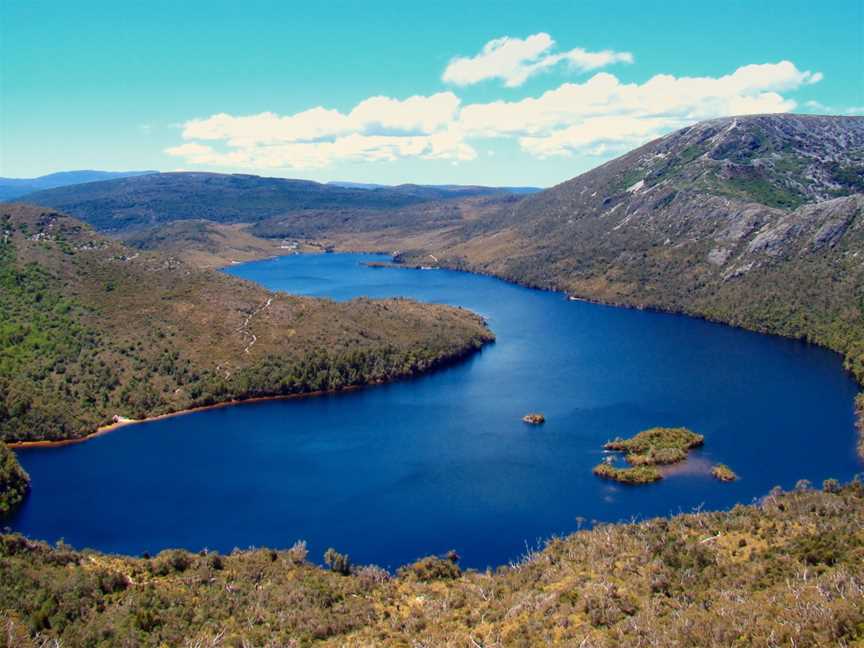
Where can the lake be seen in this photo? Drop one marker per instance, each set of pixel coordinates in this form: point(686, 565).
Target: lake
point(391, 473)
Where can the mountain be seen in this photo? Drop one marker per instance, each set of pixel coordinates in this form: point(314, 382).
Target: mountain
point(92, 329)
point(14, 187)
point(129, 203)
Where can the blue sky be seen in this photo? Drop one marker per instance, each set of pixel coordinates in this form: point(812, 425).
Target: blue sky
point(269, 87)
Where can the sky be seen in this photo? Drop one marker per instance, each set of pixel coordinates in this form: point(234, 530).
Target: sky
point(494, 93)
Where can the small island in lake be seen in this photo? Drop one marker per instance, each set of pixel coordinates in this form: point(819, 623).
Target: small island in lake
point(648, 449)
point(724, 473)
point(633, 475)
point(534, 418)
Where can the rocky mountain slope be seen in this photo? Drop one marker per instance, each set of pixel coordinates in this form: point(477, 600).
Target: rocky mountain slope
point(91, 329)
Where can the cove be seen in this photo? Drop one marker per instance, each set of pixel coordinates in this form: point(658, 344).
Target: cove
point(391, 473)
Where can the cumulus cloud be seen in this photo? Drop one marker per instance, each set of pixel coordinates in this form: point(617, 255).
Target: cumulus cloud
point(599, 116)
point(820, 107)
point(377, 128)
point(602, 110)
point(514, 60)
point(416, 115)
point(599, 135)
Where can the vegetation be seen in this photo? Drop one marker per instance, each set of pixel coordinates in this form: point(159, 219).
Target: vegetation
point(657, 446)
point(786, 571)
point(91, 329)
point(205, 244)
point(14, 481)
point(337, 562)
point(646, 450)
point(723, 472)
point(642, 474)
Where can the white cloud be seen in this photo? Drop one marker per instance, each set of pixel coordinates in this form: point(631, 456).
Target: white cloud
point(599, 136)
point(193, 152)
point(310, 155)
point(377, 128)
point(416, 115)
point(599, 116)
point(820, 107)
point(514, 60)
point(602, 110)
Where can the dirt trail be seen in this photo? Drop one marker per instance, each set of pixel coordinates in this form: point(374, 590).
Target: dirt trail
point(244, 329)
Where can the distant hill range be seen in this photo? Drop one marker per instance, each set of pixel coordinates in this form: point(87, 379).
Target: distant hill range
point(453, 189)
point(146, 200)
point(14, 187)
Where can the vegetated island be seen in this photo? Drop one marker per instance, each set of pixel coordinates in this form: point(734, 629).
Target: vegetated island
point(14, 481)
point(534, 418)
point(647, 450)
point(785, 571)
point(724, 473)
point(93, 330)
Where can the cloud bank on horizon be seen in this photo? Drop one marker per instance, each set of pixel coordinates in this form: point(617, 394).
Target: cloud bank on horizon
point(599, 116)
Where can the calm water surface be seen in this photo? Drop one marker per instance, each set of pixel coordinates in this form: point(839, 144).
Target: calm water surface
point(392, 473)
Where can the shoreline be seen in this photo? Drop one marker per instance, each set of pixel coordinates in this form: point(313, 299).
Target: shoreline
point(123, 422)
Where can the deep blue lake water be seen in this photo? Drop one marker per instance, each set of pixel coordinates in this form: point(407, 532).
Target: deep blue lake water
point(392, 473)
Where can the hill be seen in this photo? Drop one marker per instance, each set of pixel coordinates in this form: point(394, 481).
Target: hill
point(128, 203)
point(783, 572)
point(441, 190)
point(206, 244)
point(15, 187)
point(92, 329)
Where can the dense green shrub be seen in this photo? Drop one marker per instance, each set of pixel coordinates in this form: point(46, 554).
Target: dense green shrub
point(14, 481)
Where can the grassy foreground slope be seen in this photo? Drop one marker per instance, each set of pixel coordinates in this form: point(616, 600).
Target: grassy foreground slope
point(785, 572)
point(91, 329)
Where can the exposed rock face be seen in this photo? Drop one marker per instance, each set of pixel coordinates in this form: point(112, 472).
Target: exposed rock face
point(763, 181)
